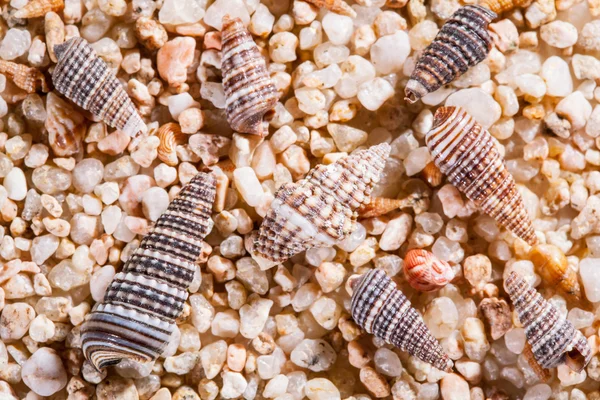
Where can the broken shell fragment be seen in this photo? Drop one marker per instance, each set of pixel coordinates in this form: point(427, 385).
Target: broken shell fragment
point(425, 272)
point(502, 6)
point(379, 206)
point(552, 266)
point(27, 78)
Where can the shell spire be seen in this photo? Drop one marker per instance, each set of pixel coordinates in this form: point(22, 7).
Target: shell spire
point(320, 209)
point(383, 310)
point(137, 317)
point(249, 91)
point(553, 339)
point(462, 42)
point(85, 79)
point(39, 8)
point(467, 154)
point(425, 272)
point(27, 78)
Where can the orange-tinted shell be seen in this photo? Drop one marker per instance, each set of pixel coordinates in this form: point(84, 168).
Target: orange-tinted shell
point(170, 136)
point(552, 266)
point(432, 174)
point(379, 206)
point(502, 6)
point(39, 8)
point(425, 272)
point(337, 6)
point(27, 78)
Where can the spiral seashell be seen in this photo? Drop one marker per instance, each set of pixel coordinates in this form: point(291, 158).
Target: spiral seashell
point(379, 206)
point(432, 174)
point(336, 6)
point(39, 8)
point(86, 80)
point(383, 310)
point(502, 6)
point(552, 266)
point(425, 272)
point(170, 136)
point(249, 91)
point(320, 209)
point(27, 78)
point(553, 339)
point(462, 42)
point(467, 154)
point(137, 317)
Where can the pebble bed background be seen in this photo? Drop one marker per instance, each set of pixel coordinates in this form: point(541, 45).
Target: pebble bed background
point(76, 197)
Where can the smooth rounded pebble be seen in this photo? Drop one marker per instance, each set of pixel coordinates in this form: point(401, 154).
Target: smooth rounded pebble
point(44, 372)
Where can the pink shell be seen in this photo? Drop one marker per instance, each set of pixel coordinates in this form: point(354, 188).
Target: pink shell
point(425, 272)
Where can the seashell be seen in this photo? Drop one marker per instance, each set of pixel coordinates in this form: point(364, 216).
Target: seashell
point(85, 79)
point(502, 6)
point(379, 206)
point(462, 42)
point(320, 209)
point(27, 78)
point(541, 373)
point(54, 28)
point(39, 8)
point(553, 339)
point(383, 310)
point(552, 266)
point(249, 91)
point(137, 317)
point(336, 6)
point(170, 136)
point(425, 272)
point(467, 154)
point(432, 174)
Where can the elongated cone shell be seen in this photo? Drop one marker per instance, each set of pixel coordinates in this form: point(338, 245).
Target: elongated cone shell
point(553, 339)
point(336, 6)
point(27, 78)
point(425, 272)
point(466, 153)
point(39, 8)
point(502, 6)
point(379, 206)
point(551, 264)
point(541, 373)
point(85, 79)
point(249, 91)
point(137, 317)
point(320, 209)
point(170, 137)
point(462, 42)
point(383, 310)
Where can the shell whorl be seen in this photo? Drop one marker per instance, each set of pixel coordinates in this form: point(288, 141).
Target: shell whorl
point(462, 42)
point(27, 78)
point(85, 79)
point(249, 91)
point(170, 137)
point(137, 317)
point(425, 272)
point(502, 6)
point(467, 154)
point(383, 310)
point(320, 209)
point(553, 339)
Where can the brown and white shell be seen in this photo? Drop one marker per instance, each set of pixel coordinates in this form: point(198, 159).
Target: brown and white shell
point(336, 6)
point(319, 210)
point(381, 309)
point(552, 266)
point(87, 81)
point(502, 6)
point(553, 339)
point(170, 137)
point(425, 272)
point(249, 91)
point(39, 8)
point(467, 154)
point(27, 78)
point(379, 206)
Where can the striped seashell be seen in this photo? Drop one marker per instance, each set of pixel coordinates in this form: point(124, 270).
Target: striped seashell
point(467, 154)
point(379, 206)
point(462, 42)
point(87, 81)
point(552, 266)
point(39, 8)
point(170, 137)
point(27, 78)
point(137, 317)
point(432, 174)
point(382, 310)
point(336, 6)
point(502, 6)
point(553, 339)
point(320, 209)
point(249, 91)
point(425, 272)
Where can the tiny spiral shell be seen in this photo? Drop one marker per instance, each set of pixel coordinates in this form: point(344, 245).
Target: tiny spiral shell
point(432, 174)
point(553, 339)
point(379, 206)
point(502, 6)
point(27, 78)
point(320, 209)
point(85, 79)
point(39, 8)
point(137, 317)
point(336, 6)
point(462, 42)
point(467, 154)
point(249, 91)
point(552, 266)
point(425, 272)
point(382, 310)
point(170, 137)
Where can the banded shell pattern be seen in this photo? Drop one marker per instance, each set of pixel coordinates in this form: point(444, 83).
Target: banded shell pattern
point(467, 154)
point(553, 339)
point(502, 6)
point(552, 266)
point(336, 6)
point(425, 272)
point(39, 8)
point(383, 310)
point(462, 42)
point(87, 81)
point(27, 78)
point(137, 317)
point(170, 137)
point(320, 209)
point(249, 91)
